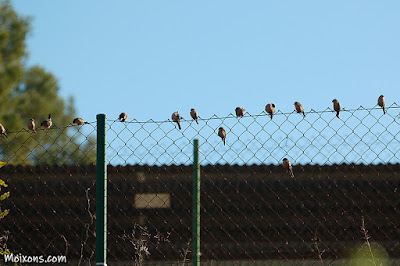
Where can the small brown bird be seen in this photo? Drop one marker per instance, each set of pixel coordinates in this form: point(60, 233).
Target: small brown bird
point(194, 115)
point(47, 123)
point(79, 121)
point(240, 111)
point(337, 107)
point(299, 108)
point(222, 134)
point(3, 131)
point(288, 165)
point(123, 117)
point(176, 117)
point(31, 125)
point(381, 103)
point(270, 109)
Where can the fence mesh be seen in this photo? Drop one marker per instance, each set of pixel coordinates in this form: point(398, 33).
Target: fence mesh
point(51, 179)
point(343, 198)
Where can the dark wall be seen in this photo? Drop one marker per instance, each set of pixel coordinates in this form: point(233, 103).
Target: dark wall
point(255, 212)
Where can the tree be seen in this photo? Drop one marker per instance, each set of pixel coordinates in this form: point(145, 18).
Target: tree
point(3, 238)
point(32, 92)
point(13, 31)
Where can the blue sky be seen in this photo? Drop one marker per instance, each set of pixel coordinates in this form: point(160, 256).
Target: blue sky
point(151, 58)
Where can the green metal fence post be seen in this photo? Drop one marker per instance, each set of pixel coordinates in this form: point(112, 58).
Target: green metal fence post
point(101, 191)
point(196, 205)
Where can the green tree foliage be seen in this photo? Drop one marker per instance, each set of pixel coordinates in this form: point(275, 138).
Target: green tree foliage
point(13, 31)
point(3, 239)
point(33, 92)
point(3, 196)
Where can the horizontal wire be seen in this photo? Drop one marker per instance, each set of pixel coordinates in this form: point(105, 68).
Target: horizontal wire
point(262, 114)
point(214, 117)
point(24, 130)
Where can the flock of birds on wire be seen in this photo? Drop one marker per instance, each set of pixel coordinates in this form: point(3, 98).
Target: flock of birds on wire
point(176, 117)
point(270, 109)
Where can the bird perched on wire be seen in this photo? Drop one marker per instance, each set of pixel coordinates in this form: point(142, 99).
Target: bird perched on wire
point(194, 115)
point(47, 123)
point(3, 131)
point(79, 121)
point(176, 117)
point(222, 134)
point(123, 117)
point(240, 111)
point(381, 103)
point(288, 165)
point(31, 125)
point(270, 109)
point(337, 107)
point(299, 108)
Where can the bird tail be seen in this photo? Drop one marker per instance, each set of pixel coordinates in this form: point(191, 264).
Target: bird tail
point(5, 134)
point(86, 122)
point(272, 115)
point(224, 141)
point(337, 114)
point(304, 114)
point(34, 131)
point(197, 121)
point(291, 172)
point(384, 112)
point(179, 125)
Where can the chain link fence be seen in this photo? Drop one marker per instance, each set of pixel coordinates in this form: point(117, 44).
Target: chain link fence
point(51, 179)
point(342, 205)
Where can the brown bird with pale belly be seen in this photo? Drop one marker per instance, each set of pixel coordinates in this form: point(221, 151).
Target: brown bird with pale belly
point(3, 131)
point(194, 115)
point(240, 111)
point(31, 125)
point(79, 121)
point(176, 117)
point(123, 117)
point(299, 108)
point(270, 109)
point(288, 165)
point(47, 123)
point(222, 134)
point(337, 107)
point(381, 103)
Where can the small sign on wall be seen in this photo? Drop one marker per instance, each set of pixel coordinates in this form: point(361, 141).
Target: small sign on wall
point(152, 200)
